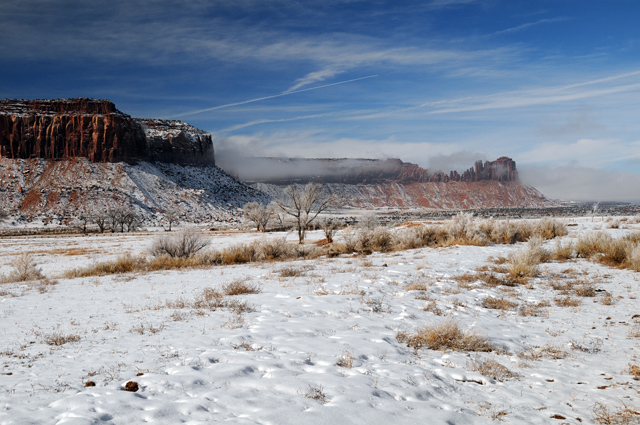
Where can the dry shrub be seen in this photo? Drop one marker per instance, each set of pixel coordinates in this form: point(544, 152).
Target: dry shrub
point(622, 415)
point(634, 370)
point(119, 265)
point(316, 393)
point(464, 229)
point(346, 359)
point(446, 336)
point(24, 269)
point(567, 302)
point(634, 258)
point(208, 299)
point(607, 299)
point(585, 290)
point(491, 368)
point(498, 303)
point(57, 339)
point(562, 252)
point(591, 244)
point(549, 228)
point(417, 285)
point(291, 272)
point(494, 279)
point(183, 244)
point(546, 351)
point(538, 309)
point(432, 307)
point(421, 236)
point(240, 287)
point(507, 232)
point(620, 252)
point(524, 262)
point(236, 254)
point(616, 252)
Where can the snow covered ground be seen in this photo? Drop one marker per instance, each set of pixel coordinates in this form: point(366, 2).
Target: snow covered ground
point(316, 345)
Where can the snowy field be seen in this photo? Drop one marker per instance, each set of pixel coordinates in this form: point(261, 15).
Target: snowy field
point(318, 343)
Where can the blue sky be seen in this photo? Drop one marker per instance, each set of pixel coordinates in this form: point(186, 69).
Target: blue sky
point(554, 84)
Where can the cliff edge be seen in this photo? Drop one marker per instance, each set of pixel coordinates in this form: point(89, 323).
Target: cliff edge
point(94, 129)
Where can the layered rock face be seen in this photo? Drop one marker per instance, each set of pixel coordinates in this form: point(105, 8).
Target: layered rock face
point(96, 130)
point(395, 184)
point(283, 171)
point(177, 142)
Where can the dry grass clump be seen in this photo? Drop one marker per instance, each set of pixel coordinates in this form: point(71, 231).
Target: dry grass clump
point(498, 303)
point(464, 229)
point(290, 272)
point(524, 262)
point(316, 393)
point(367, 240)
point(417, 285)
point(622, 415)
point(346, 359)
point(549, 228)
point(240, 287)
point(24, 269)
point(491, 368)
point(546, 351)
point(183, 244)
point(422, 236)
point(567, 302)
point(58, 338)
point(616, 252)
point(119, 265)
point(432, 307)
point(562, 252)
point(446, 336)
point(538, 309)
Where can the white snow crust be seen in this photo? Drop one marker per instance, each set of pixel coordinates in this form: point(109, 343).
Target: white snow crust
point(262, 367)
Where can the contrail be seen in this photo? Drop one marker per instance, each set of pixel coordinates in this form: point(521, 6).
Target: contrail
point(270, 97)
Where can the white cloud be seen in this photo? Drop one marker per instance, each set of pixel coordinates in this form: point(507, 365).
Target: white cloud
point(528, 25)
point(579, 183)
point(314, 77)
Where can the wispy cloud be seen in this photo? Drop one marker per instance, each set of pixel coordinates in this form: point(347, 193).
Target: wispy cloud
point(529, 25)
point(314, 77)
point(258, 99)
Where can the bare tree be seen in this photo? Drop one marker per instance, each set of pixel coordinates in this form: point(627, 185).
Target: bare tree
point(259, 214)
point(304, 203)
point(3, 215)
point(100, 219)
point(122, 218)
point(172, 216)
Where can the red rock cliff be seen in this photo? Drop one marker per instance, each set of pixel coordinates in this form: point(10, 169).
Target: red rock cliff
point(96, 130)
point(69, 128)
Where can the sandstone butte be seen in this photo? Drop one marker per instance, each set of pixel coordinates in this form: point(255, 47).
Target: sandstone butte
point(64, 158)
point(96, 130)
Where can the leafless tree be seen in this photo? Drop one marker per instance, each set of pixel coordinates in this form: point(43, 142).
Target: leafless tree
point(304, 204)
point(259, 214)
point(3, 215)
point(172, 216)
point(123, 218)
point(100, 219)
point(83, 220)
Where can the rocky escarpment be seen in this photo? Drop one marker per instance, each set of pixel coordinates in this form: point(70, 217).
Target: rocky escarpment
point(62, 190)
point(284, 171)
point(96, 130)
point(395, 184)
